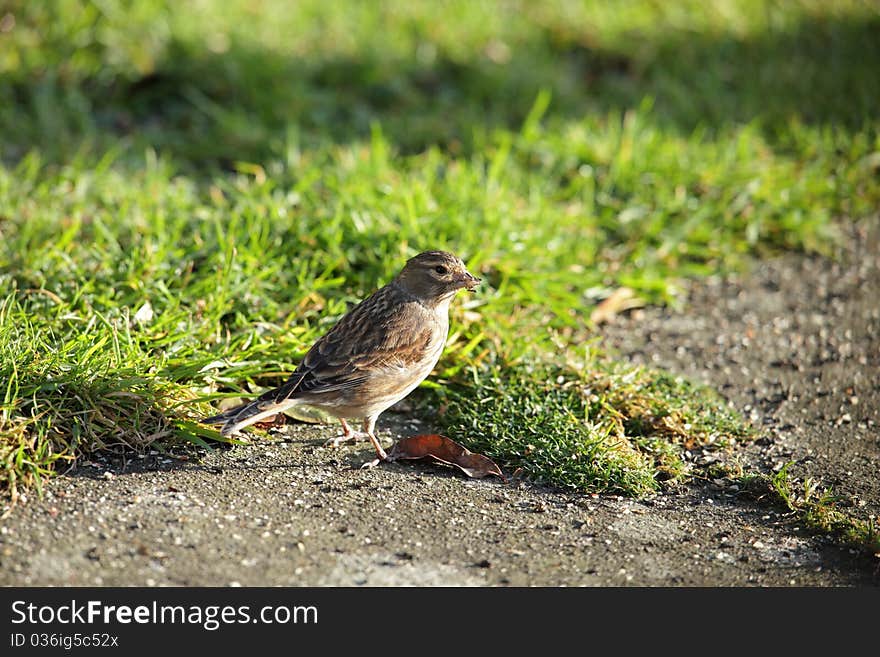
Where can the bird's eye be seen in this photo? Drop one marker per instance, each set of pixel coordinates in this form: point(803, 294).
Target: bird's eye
point(440, 269)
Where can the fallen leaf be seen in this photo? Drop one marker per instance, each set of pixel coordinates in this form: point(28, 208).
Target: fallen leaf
point(445, 450)
point(308, 414)
point(471, 317)
point(144, 314)
point(623, 298)
point(277, 420)
point(229, 402)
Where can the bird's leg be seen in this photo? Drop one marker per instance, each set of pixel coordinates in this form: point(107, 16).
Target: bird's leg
point(369, 429)
point(348, 436)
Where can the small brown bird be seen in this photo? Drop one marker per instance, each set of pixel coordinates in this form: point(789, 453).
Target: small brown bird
point(374, 356)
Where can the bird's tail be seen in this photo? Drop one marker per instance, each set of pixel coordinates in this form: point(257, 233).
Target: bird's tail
point(243, 415)
point(268, 404)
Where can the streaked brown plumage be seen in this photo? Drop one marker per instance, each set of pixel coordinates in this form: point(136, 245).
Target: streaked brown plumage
point(375, 355)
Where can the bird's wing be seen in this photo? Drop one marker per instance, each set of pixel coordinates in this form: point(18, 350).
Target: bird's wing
point(386, 330)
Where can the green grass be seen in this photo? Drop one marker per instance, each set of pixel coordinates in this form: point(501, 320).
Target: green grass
point(816, 507)
point(250, 168)
point(595, 427)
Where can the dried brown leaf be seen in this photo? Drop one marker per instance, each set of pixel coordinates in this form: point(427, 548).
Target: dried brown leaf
point(277, 420)
point(445, 450)
point(622, 299)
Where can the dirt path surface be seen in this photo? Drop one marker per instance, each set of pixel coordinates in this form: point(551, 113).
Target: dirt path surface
point(795, 344)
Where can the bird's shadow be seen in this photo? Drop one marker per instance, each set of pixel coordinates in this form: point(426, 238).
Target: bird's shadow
point(304, 446)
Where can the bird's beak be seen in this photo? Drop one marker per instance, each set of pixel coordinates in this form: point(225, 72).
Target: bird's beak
point(468, 281)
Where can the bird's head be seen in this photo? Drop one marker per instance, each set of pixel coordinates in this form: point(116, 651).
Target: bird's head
point(435, 276)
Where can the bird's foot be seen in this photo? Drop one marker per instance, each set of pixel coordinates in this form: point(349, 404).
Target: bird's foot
point(380, 454)
point(346, 438)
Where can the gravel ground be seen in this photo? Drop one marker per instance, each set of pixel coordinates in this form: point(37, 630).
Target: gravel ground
point(795, 344)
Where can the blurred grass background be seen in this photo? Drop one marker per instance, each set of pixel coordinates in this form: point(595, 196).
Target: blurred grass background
point(190, 193)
